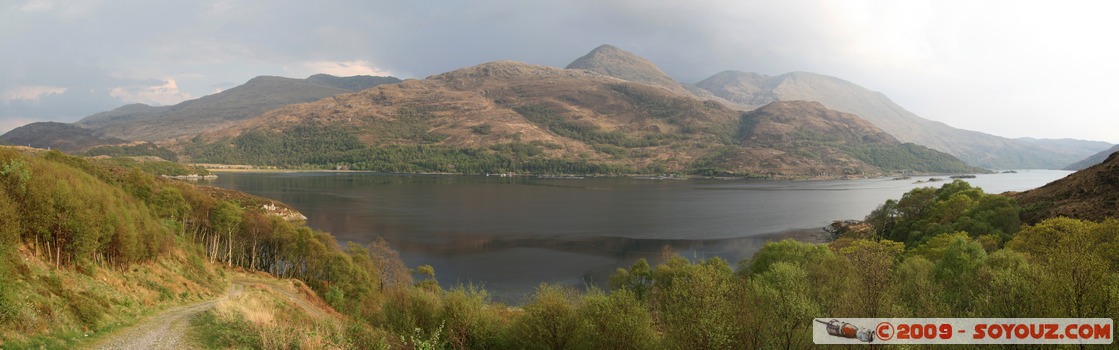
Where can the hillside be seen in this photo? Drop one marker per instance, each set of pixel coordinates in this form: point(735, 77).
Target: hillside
point(1070, 146)
point(60, 136)
point(220, 110)
point(90, 247)
point(139, 122)
point(1093, 160)
point(814, 139)
point(1089, 194)
point(509, 116)
point(973, 147)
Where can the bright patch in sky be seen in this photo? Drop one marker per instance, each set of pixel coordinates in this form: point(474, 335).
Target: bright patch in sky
point(164, 94)
point(30, 93)
point(338, 68)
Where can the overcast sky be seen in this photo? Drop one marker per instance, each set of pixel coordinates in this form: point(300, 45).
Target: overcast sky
point(1010, 68)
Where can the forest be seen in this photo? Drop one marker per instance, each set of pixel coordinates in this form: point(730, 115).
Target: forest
point(952, 251)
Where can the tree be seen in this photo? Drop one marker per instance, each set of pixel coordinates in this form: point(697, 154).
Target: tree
point(784, 291)
point(226, 218)
point(957, 271)
point(616, 321)
point(695, 305)
point(390, 269)
point(549, 320)
point(638, 279)
point(1076, 271)
point(917, 290)
point(872, 264)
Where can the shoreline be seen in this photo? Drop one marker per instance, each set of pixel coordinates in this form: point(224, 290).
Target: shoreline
point(651, 177)
point(808, 235)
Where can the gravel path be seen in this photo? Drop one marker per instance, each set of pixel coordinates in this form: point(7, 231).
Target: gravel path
point(166, 330)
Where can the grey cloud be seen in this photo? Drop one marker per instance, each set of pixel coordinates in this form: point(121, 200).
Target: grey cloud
point(210, 44)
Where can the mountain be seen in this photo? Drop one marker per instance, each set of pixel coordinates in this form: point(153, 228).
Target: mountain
point(223, 109)
point(975, 148)
point(1093, 160)
point(612, 61)
point(1089, 194)
point(510, 116)
point(1069, 146)
point(60, 136)
point(817, 140)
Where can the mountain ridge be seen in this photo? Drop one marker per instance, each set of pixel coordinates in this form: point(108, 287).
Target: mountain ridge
point(55, 135)
point(975, 148)
point(1093, 160)
point(220, 110)
point(554, 115)
point(228, 112)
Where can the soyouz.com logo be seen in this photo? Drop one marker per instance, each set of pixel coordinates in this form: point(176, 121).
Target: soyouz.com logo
point(962, 331)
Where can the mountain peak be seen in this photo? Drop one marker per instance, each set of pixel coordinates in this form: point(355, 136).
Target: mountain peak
point(612, 61)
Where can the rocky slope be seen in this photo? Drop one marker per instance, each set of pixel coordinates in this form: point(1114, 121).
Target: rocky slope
point(1089, 194)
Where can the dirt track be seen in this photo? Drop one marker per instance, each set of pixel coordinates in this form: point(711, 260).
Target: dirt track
point(166, 330)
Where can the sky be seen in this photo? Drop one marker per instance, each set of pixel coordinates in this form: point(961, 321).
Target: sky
point(1018, 68)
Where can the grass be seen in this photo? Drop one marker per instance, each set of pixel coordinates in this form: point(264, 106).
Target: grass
point(262, 317)
point(64, 308)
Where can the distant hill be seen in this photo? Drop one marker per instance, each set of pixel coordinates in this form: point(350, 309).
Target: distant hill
point(975, 148)
point(510, 116)
point(220, 110)
point(747, 91)
point(832, 142)
point(1093, 160)
point(60, 136)
point(1070, 146)
point(1089, 194)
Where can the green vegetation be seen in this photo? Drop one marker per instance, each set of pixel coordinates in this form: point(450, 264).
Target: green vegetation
point(908, 157)
point(482, 129)
point(318, 146)
point(301, 146)
point(924, 213)
point(154, 167)
point(146, 149)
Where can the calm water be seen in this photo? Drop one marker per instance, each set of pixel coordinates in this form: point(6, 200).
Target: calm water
point(510, 234)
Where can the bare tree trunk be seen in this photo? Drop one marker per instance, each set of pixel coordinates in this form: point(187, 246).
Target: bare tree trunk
point(229, 255)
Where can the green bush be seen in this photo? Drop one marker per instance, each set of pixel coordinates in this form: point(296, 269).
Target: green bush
point(549, 320)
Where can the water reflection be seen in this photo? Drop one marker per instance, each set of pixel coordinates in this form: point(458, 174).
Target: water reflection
point(510, 234)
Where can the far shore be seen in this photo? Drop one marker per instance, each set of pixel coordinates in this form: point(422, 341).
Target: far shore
point(221, 168)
